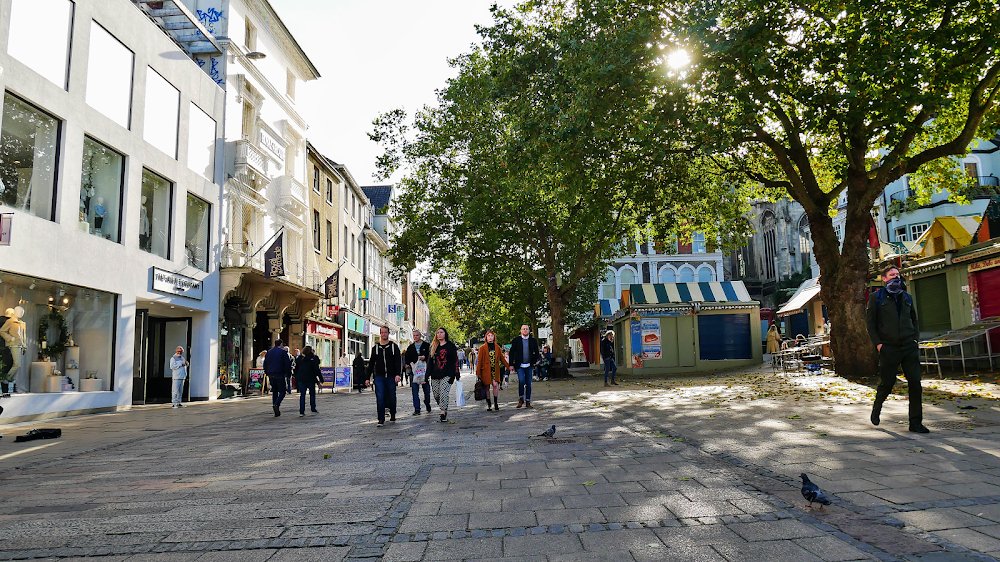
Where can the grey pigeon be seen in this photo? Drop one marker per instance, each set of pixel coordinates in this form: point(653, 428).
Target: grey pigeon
point(812, 493)
point(548, 433)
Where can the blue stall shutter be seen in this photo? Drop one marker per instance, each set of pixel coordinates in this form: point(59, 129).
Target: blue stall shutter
point(724, 336)
point(798, 324)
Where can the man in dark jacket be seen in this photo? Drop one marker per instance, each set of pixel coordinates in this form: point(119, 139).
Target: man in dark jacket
point(307, 376)
point(358, 370)
point(608, 355)
point(385, 366)
point(276, 364)
point(523, 354)
point(892, 327)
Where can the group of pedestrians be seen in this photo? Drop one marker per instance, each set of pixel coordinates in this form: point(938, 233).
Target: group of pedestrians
point(278, 364)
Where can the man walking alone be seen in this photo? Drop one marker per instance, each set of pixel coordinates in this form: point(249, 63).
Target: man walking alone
point(523, 354)
point(276, 364)
point(385, 366)
point(892, 327)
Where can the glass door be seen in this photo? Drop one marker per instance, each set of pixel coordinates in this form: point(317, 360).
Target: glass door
point(139, 358)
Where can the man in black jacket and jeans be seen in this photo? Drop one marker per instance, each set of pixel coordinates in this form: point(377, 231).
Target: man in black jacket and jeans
point(892, 327)
point(385, 366)
point(523, 355)
point(608, 355)
point(276, 364)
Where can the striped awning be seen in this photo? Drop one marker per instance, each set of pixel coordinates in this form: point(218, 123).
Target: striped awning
point(608, 307)
point(678, 293)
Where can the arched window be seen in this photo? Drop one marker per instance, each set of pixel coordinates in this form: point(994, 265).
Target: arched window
point(667, 275)
point(769, 232)
point(698, 243)
point(608, 286)
point(687, 275)
point(805, 242)
point(628, 276)
point(705, 274)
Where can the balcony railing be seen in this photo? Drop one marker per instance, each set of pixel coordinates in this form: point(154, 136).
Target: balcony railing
point(293, 193)
point(249, 155)
point(242, 256)
point(901, 195)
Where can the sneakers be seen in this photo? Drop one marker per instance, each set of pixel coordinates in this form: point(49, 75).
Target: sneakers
point(175, 405)
point(277, 412)
point(314, 411)
point(527, 404)
point(444, 417)
point(302, 414)
point(545, 379)
point(520, 402)
point(428, 404)
point(380, 424)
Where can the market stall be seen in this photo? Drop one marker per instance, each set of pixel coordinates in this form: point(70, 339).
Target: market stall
point(971, 343)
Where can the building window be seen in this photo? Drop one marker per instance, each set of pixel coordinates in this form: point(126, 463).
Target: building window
point(316, 179)
point(839, 231)
point(29, 155)
point(249, 35)
point(805, 242)
point(162, 113)
point(627, 276)
point(329, 240)
point(345, 196)
point(687, 275)
point(354, 208)
point(917, 230)
point(154, 214)
point(769, 227)
point(705, 274)
point(353, 255)
point(42, 48)
point(698, 243)
point(101, 184)
point(329, 191)
point(361, 249)
point(196, 235)
point(667, 275)
point(346, 250)
point(290, 84)
point(109, 76)
point(201, 143)
point(316, 230)
point(900, 233)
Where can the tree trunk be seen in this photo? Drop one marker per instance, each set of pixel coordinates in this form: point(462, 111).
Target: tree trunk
point(557, 309)
point(844, 278)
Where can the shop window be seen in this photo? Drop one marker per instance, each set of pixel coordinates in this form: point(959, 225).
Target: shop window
point(705, 274)
point(162, 113)
point(42, 48)
point(196, 237)
point(109, 76)
point(201, 143)
point(89, 317)
point(154, 214)
point(687, 275)
point(667, 275)
point(101, 184)
point(29, 153)
point(724, 336)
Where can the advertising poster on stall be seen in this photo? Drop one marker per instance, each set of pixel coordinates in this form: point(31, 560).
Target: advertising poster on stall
point(635, 334)
point(343, 379)
point(651, 338)
point(256, 382)
point(328, 377)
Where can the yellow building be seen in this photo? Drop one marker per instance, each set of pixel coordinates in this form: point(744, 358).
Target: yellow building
point(322, 330)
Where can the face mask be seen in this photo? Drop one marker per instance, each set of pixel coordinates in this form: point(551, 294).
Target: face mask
point(894, 286)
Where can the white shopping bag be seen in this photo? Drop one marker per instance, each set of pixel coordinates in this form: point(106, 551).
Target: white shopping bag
point(459, 395)
point(420, 372)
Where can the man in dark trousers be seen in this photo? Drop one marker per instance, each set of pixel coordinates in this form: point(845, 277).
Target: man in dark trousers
point(385, 366)
point(419, 350)
point(608, 355)
point(523, 354)
point(276, 364)
point(892, 327)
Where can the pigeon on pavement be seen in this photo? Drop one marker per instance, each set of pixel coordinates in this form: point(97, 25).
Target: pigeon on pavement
point(548, 432)
point(812, 493)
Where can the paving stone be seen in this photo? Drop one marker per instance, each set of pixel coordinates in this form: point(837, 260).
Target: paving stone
point(460, 549)
point(772, 551)
point(406, 552)
point(533, 545)
point(937, 519)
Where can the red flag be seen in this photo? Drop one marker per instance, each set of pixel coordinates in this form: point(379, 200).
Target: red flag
point(873, 241)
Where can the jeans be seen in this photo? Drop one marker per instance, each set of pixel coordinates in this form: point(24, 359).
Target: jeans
point(610, 367)
point(177, 391)
point(908, 357)
point(385, 396)
point(277, 389)
point(303, 387)
point(524, 383)
point(415, 388)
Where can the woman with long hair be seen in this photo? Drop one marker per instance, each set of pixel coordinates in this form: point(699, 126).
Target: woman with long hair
point(442, 367)
point(491, 367)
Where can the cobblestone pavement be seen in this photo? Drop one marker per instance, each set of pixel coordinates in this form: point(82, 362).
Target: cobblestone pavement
point(639, 472)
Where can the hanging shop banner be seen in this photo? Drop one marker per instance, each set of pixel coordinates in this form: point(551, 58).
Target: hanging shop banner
point(256, 383)
point(650, 338)
point(274, 259)
point(332, 284)
point(635, 334)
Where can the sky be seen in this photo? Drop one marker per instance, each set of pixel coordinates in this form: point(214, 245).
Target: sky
point(374, 57)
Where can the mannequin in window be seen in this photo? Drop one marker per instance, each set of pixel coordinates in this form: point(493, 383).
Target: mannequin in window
point(13, 334)
point(99, 213)
point(144, 226)
point(88, 194)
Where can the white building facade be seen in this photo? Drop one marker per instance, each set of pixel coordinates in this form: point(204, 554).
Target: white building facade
point(111, 169)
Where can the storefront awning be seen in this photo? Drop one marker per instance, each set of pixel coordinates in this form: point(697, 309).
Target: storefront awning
point(608, 307)
point(678, 293)
point(799, 301)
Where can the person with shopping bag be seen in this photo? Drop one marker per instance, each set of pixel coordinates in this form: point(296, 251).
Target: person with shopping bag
point(416, 363)
point(490, 368)
point(443, 369)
